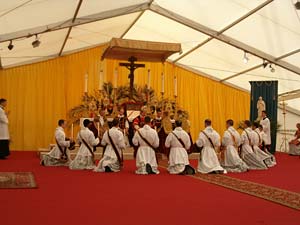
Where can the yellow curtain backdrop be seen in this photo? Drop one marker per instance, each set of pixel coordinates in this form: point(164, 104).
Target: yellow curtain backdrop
point(39, 94)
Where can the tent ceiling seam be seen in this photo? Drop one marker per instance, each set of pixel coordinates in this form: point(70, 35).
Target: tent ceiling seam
point(135, 21)
point(289, 54)
point(251, 12)
point(70, 28)
point(14, 8)
point(259, 65)
point(224, 38)
point(79, 21)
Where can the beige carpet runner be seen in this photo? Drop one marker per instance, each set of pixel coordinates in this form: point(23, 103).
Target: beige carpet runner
point(277, 195)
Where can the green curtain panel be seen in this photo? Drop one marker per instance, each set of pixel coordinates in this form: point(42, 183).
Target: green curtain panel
point(268, 90)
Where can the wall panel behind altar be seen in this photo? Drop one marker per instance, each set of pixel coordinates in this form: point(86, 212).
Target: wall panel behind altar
point(39, 94)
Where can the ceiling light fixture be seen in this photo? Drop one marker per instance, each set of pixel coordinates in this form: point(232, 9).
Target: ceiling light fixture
point(36, 43)
point(297, 5)
point(246, 57)
point(272, 69)
point(10, 46)
point(265, 63)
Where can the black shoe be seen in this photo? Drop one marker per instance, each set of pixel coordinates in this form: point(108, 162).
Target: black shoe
point(42, 163)
point(219, 171)
point(107, 169)
point(183, 172)
point(3, 158)
point(149, 169)
point(189, 170)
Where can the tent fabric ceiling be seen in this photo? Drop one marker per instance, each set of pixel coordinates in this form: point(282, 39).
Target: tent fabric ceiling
point(270, 27)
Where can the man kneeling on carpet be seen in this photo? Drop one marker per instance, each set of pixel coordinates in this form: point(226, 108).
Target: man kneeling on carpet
point(147, 140)
point(209, 140)
point(179, 142)
point(59, 155)
point(85, 156)
point(113, 139)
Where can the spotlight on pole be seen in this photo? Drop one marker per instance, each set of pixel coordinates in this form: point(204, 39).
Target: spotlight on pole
point(272, 69)
point(265, 63)
point(10, 46)
point(297, 5)
point(246, 57)
point(36, 43)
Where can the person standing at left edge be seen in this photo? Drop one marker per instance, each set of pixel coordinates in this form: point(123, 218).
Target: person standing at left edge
point(4, 133)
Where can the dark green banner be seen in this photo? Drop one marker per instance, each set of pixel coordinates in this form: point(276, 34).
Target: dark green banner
point(268, 90)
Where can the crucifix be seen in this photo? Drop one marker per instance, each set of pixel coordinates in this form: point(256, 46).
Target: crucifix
point(132, 66)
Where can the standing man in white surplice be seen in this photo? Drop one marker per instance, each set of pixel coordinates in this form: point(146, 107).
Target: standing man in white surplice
point(230, 143)
point(147, 140)
point(265, 122)
point(209, 140)
point(179, 142)
point(4, 133)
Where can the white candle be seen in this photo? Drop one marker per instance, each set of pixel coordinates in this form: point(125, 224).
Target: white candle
point(162, 83)
point(86, 83)
point(175, 86)
point(72, 131)
point(149, 79)
point(101, 80)
point(116, 78)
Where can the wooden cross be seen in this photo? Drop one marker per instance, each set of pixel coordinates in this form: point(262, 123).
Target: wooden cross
point(131, 66)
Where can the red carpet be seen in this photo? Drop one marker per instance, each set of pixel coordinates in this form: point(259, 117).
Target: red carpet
point(67, 197)
point(284, 175)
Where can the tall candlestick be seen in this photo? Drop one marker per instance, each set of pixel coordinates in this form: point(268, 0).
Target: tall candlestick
point(149, 79)
point(86, 83)
point(116, 78)
point(98, 127)
point(101, 80)
point(72, 131)
point(175, 86)
point(162, 83)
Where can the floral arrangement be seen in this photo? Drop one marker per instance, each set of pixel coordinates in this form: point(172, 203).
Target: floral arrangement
point(110, 99)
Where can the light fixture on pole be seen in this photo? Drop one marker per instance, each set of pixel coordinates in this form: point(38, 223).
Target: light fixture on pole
point(246, 57)
point(272, 69)
point(10, 46)
point(265, 63)
point(297, 5)
point(36, 43)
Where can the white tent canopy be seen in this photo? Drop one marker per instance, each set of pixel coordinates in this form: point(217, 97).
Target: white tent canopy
point(214, 34)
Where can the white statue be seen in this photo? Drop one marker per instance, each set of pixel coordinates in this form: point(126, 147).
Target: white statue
point(261, 106)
